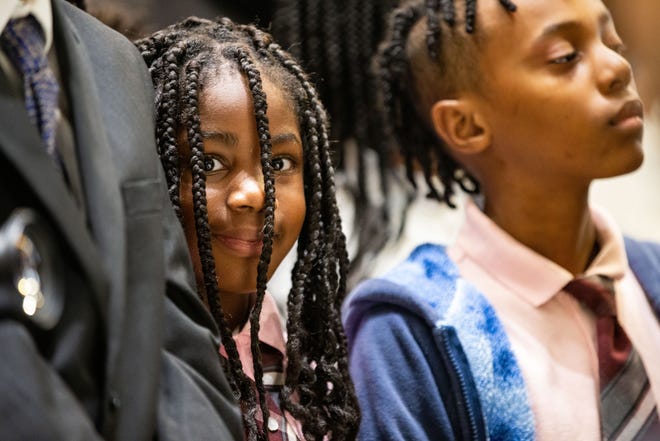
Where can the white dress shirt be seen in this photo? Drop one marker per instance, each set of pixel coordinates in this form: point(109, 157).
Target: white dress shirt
point(42, 11)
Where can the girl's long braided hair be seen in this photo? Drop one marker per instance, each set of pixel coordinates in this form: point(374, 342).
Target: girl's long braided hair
point(422, 42)
point(335, 41)
point(318, 391)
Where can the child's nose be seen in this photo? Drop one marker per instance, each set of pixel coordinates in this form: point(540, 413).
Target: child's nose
point(248, 194)
point(615, 72)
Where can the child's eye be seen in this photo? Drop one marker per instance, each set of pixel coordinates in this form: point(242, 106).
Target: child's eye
point(565, 59)
point(212, 164)
point(281, 164)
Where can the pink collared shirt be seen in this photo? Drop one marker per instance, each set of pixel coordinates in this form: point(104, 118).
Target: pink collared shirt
point(552, 336)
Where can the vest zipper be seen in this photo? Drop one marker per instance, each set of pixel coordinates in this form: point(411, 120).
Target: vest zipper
point(465, 392)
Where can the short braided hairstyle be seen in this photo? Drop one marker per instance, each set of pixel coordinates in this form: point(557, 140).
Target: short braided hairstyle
point(180, 58)
point(423, 59)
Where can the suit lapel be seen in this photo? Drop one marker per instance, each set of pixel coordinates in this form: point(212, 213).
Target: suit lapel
point(21, 145)
point(97, 168)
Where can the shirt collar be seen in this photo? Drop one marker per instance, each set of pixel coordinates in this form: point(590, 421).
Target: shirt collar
point(270, 325)
point(270, 333)
point(611, 260)
point(40, 9)
point(526, 273)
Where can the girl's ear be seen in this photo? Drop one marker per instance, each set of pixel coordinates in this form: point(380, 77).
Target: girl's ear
point(461, 126)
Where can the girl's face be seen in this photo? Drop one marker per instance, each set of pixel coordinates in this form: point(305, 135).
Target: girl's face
point(234, 181)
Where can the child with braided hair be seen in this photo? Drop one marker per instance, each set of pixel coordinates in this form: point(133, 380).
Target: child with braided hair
point(243, 140)
point(541, 320)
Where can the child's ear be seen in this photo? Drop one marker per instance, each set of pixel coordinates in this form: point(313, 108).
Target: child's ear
point(461, 126)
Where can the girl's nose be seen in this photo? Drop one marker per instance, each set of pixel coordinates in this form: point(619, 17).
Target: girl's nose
point(247, 194)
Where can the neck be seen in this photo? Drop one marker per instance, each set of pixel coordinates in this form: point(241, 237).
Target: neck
point(236, 308)
point(556, 225)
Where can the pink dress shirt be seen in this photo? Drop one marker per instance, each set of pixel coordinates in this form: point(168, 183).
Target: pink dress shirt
point(552, 336)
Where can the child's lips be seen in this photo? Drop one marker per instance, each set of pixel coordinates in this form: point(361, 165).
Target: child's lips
point(244, 243)
point(630, 114)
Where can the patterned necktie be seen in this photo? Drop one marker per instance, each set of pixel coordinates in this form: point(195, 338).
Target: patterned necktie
point(23, 42)
point(614, 347)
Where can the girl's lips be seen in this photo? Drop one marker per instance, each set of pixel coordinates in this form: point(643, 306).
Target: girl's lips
point(242, 247)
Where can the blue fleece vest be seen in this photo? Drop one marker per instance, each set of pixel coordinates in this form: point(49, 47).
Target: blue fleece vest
point(429, 285)
point(449, 300)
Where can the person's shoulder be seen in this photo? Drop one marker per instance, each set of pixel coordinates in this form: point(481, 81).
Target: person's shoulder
point(121, 76)
point(644, 260)
point(92, 31)
point(642, 251)
point(423, 284)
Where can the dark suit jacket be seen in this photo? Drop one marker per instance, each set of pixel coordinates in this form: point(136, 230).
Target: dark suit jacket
point(134, 352)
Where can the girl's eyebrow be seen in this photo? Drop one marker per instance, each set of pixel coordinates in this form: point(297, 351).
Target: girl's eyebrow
point(284, 137)
point(231, 139)
point(227, 138)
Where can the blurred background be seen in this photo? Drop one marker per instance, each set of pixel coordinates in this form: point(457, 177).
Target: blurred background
point(136, 18)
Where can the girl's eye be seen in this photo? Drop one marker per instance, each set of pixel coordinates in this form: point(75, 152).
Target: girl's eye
point(212, 164)
point(282, 164)
point(565, 59)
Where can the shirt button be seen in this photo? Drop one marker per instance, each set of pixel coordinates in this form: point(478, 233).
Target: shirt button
point(273, 425)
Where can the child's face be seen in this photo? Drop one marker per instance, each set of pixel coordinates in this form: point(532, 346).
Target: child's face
point(234, 182)
point(560, 99)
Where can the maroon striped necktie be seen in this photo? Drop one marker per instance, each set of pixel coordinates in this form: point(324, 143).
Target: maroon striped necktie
point(597, 294)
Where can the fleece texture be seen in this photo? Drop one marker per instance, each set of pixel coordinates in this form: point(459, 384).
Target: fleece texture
point(397, 360)
point(429, 285)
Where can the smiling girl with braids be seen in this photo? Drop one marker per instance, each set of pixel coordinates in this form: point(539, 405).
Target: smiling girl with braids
point(540, 321)
point(242, 138)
